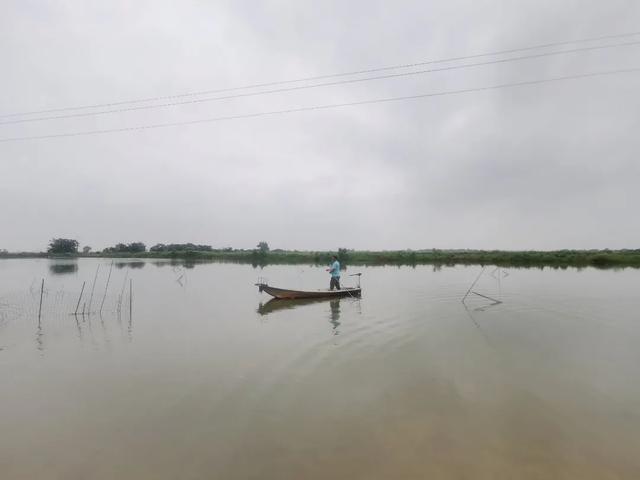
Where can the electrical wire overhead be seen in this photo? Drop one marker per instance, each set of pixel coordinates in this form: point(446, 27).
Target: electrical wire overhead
point(318, 77)
point(323, 107)
point(318, 85)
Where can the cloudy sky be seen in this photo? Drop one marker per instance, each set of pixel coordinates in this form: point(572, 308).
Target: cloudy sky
point(544, 166)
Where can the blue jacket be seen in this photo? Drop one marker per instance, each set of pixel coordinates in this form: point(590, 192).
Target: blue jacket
point(335, 269)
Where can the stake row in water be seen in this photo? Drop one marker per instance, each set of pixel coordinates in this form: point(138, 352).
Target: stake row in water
point(106, 288)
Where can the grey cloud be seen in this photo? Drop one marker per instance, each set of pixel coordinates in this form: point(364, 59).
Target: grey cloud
point(550, 166)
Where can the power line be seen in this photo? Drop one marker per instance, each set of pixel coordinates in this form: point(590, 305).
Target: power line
point(318, 85)
point(321, 107)
point(322, 77)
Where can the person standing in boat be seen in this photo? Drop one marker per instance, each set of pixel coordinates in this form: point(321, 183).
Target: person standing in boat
point(334, 271)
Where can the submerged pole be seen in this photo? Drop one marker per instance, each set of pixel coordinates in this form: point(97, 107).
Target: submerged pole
point(41, 292)
point(79, 298)
point(106, 287)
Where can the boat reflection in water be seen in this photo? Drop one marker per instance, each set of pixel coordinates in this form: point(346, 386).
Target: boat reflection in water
point(276, 304)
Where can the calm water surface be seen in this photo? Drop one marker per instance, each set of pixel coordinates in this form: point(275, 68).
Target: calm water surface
point(206, 380)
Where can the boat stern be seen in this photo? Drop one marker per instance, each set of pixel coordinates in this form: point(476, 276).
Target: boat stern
point(261, 283)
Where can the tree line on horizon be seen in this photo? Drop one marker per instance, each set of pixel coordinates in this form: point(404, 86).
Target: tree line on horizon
point(70, 246)
point(262, 255)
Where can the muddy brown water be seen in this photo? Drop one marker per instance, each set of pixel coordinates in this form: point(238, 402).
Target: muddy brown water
point(206, 380)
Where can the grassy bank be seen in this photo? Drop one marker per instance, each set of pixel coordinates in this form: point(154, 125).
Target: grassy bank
point(559, 258)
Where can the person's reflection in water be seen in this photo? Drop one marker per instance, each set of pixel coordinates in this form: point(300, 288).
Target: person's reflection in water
point(335, 315)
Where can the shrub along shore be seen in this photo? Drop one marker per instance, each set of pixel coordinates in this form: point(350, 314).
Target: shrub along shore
point(530, 258)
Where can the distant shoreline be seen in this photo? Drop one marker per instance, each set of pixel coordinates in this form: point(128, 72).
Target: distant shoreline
point(503, 258)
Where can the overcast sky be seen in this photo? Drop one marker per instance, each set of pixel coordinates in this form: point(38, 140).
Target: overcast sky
point(531, 167)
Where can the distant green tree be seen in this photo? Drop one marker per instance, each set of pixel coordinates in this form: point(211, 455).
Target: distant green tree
point(135, 247)
point(263, 247)
point(86, 249)
point(343, 254)
point(63, 245)
point(180, 247)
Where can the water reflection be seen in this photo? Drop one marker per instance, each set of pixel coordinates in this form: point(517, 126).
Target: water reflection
point(276, 304)
point(39, 338)
point(58, 267)
point(335, 315)
point(56, 320)
point(411, 377)
point(78, 328)
point(132, 264)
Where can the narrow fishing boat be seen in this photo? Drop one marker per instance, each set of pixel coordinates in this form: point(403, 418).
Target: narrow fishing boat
point(289, 294)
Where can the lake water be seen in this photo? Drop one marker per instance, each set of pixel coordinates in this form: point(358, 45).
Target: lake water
point(198, 378)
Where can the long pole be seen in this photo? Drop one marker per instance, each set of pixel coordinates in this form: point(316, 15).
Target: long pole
point(106, 287)
point(41, 292)
point(473, 284)
point(130, 329)
point(124, 285)
point(93, 287)
point(79, 298)
point(488, 298)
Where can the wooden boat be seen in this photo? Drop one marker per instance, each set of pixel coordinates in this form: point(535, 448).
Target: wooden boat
point(284, 293)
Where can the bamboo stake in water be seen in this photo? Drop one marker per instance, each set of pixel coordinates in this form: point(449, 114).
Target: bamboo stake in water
point(106, 287)
point(487, 297)
point(93, 287)
point(129, 330)
point(124, 285)
point(473, 284)
point(41, 292)
point(79, 298)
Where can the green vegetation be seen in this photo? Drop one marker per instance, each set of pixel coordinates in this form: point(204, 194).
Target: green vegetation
point(263, 255)
point(135, 247)
point(63, 246)
point(559, 258)
point(180, 247)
